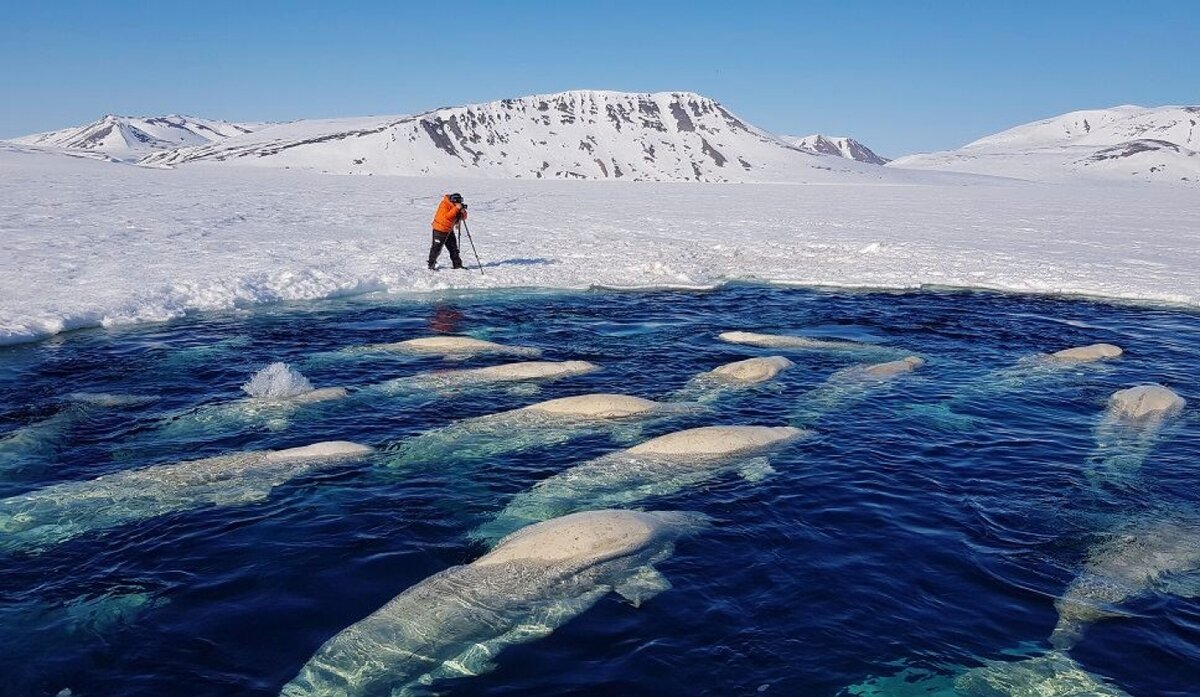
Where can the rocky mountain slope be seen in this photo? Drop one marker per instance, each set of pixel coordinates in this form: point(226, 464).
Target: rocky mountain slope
point(838, 146)
point(666, 136)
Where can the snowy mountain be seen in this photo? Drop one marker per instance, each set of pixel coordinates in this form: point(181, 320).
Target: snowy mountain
point(666, 136)
point(1124, 142)
point(838, 146)
point(131, 136)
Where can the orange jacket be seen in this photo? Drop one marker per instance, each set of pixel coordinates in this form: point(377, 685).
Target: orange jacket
point(448, 214)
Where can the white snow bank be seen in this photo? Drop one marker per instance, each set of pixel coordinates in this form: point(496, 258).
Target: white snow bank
point(86, 243)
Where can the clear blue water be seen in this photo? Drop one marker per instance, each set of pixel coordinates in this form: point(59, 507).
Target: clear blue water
point(930, 522)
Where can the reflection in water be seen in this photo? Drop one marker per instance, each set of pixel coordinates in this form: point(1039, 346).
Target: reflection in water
point(445, 320)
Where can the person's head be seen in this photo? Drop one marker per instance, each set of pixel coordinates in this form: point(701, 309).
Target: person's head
point(456, 198)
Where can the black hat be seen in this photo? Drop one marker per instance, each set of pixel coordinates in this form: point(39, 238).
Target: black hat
point(455, 198)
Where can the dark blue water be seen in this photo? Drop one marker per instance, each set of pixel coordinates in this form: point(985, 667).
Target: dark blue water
point(930, 522)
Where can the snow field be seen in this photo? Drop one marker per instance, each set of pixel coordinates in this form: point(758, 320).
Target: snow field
point(87, 243)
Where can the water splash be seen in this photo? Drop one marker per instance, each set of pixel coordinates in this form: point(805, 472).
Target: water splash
point(277, 381)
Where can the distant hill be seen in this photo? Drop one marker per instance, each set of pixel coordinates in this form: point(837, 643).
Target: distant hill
point(1125, 142)
point(132, 136)
point(838, 146)
point(666, 136)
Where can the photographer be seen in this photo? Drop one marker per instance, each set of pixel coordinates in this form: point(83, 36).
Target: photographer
point(450, 211)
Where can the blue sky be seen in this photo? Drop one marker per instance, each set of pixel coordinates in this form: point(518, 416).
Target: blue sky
point(900, 76)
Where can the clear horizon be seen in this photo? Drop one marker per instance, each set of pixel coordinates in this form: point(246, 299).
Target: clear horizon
point(898, 79)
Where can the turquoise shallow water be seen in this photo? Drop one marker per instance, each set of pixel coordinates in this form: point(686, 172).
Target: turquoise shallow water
point(929, 522)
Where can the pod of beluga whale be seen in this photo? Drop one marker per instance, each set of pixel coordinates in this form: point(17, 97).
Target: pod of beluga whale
point(544, 424)
point(535, 579)
point(454, 623)
point(657, 467)
point(54, 514)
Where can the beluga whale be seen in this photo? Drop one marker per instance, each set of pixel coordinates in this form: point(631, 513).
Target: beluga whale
point(1130, 428)
point(552, 422)
point(454, 623)
point(850, 385)
point(450, 346)
point(735, 376)
point(1151, 555)
point(54, 514)
point(1029, 372)
point(1087, 354)
point(35, 444)
point(657, 467)
point(1052, 674)
point(790, 341)
point(504, 374)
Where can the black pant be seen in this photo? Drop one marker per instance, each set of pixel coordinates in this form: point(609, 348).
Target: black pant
point(451, 242)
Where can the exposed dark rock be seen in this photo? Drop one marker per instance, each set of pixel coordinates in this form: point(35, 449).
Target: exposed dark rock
point(712, 152)
point(682, 121)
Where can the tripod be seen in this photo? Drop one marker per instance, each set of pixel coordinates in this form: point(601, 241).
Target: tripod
point(463, 226)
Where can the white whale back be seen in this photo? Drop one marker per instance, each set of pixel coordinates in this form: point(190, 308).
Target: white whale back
point(717, 440)
point(1089, 353)
point(1144, 402)
point(579, 538)
point(600, 406)
point(452, 345)
point(787, 341)
point(752, 370)
point(321, 394)
point(531, 370)
point(327, 450)
point(892, 368)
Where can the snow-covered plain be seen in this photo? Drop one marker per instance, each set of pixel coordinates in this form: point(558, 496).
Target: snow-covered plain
point(87, 243)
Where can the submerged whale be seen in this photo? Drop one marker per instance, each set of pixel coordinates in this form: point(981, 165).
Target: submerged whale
point(506, 373)
point(60, 512)
point(274, 395)
point(1129, 429)
point(454, 623)
point(707, 387)
point(539, 425)
point(850, 385)
point(1054, 674)
point(795, 342)
point(657, 467)
point(35, 443)
point(1150, 556)
point(451, 346)
point(1029, 373)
